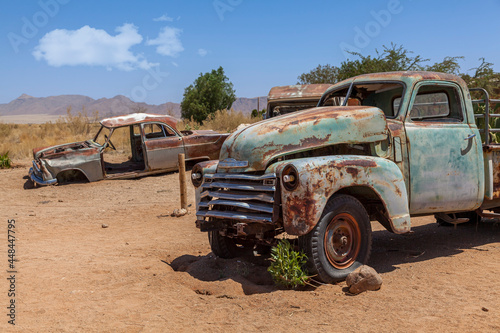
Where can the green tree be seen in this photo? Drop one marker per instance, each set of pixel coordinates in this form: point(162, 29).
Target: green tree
point(209, 92)
point(392, 58)
point(256, 113)
point(320, 74)
point(484, 77)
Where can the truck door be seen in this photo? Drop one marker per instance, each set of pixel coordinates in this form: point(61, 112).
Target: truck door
point(163, 145)
point(443, 150)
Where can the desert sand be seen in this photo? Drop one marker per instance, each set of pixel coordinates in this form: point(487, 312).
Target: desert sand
point(108, 257)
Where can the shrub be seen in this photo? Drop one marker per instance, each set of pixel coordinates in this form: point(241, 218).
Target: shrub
point(287, 267)
point(5, 162)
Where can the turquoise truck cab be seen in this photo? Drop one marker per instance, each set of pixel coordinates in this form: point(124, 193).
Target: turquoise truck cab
point(378, 147)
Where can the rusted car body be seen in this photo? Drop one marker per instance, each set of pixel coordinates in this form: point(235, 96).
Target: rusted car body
point(286, 99)
point(153, 142)
point(383, 146)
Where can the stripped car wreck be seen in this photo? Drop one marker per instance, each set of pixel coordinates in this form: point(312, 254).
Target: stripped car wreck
point(147, 143)
point(379, 147)
point(285, 99)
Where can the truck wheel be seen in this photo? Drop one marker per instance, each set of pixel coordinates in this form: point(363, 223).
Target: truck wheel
point(340, 242)
point(222, 246)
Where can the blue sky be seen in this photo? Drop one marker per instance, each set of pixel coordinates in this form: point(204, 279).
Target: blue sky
point(151, 50)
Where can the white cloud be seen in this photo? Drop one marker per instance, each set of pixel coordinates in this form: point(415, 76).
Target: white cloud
point(163, 18)
point(92, 47)
point(202, 52)
point(168, 42)
point(175, 64)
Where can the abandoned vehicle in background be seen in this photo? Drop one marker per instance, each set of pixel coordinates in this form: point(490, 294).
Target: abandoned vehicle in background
point(285, 99)
point(128, 146)
point(379, 147)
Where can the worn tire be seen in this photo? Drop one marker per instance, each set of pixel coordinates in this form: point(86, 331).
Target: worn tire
point(222, 246)
point(340, 242)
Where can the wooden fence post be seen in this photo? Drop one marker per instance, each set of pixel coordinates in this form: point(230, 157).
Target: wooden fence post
point(182, 181)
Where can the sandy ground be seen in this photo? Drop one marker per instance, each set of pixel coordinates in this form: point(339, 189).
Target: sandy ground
point(150, 272)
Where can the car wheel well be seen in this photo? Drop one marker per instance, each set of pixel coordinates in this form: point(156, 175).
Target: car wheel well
point(372, 203)
point(72, 175)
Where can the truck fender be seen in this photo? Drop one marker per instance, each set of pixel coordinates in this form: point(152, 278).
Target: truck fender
point(321, 177)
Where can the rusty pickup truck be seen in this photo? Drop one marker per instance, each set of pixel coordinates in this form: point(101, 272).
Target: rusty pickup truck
point(143, 144)
point(378, 147)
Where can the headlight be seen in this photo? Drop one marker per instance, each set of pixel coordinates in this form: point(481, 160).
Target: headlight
point(290, 177)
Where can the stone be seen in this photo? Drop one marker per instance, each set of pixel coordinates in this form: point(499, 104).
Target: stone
point(362, 279)
point(179, 212)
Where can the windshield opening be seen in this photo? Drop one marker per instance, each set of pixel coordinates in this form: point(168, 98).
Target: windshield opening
point(100, 137)
point(278, 108)
point(378, 94)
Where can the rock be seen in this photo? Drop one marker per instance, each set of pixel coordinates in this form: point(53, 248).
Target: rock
point(104, 225)
point(362, 279)
point(179, 212)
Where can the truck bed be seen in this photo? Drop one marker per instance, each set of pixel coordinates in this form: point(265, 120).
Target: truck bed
point(491, 154)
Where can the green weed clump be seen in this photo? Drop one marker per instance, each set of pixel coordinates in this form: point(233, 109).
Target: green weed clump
point(287, 267)
point(5, 162)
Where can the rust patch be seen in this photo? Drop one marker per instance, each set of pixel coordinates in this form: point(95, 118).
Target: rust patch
point(360, 163)
point(297, 91)
point(398, 191)
point(204, 145)
point(164, 143)
point(396, 129)
point(313, 115)
point(301, 210)
point(352, 171)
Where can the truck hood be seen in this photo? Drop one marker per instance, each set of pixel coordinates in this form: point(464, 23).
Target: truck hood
point(266, 140)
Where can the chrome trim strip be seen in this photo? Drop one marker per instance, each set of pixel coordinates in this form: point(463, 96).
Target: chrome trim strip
point(240, 196)
point(246, 187)
point(244, 177)
point(252, 217)
point(257, 207)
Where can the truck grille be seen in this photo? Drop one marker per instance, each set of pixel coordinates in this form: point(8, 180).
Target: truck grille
point(238, 197)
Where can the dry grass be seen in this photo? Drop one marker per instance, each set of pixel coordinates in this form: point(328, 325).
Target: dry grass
point(20, 139)
point(222, 121)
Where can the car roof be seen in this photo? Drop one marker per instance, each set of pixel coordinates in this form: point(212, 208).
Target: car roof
point(138, 118)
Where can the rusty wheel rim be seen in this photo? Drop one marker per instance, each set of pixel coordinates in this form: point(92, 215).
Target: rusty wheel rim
point(342, 241)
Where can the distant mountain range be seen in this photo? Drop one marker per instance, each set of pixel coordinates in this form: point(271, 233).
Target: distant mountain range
point(57, 105)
